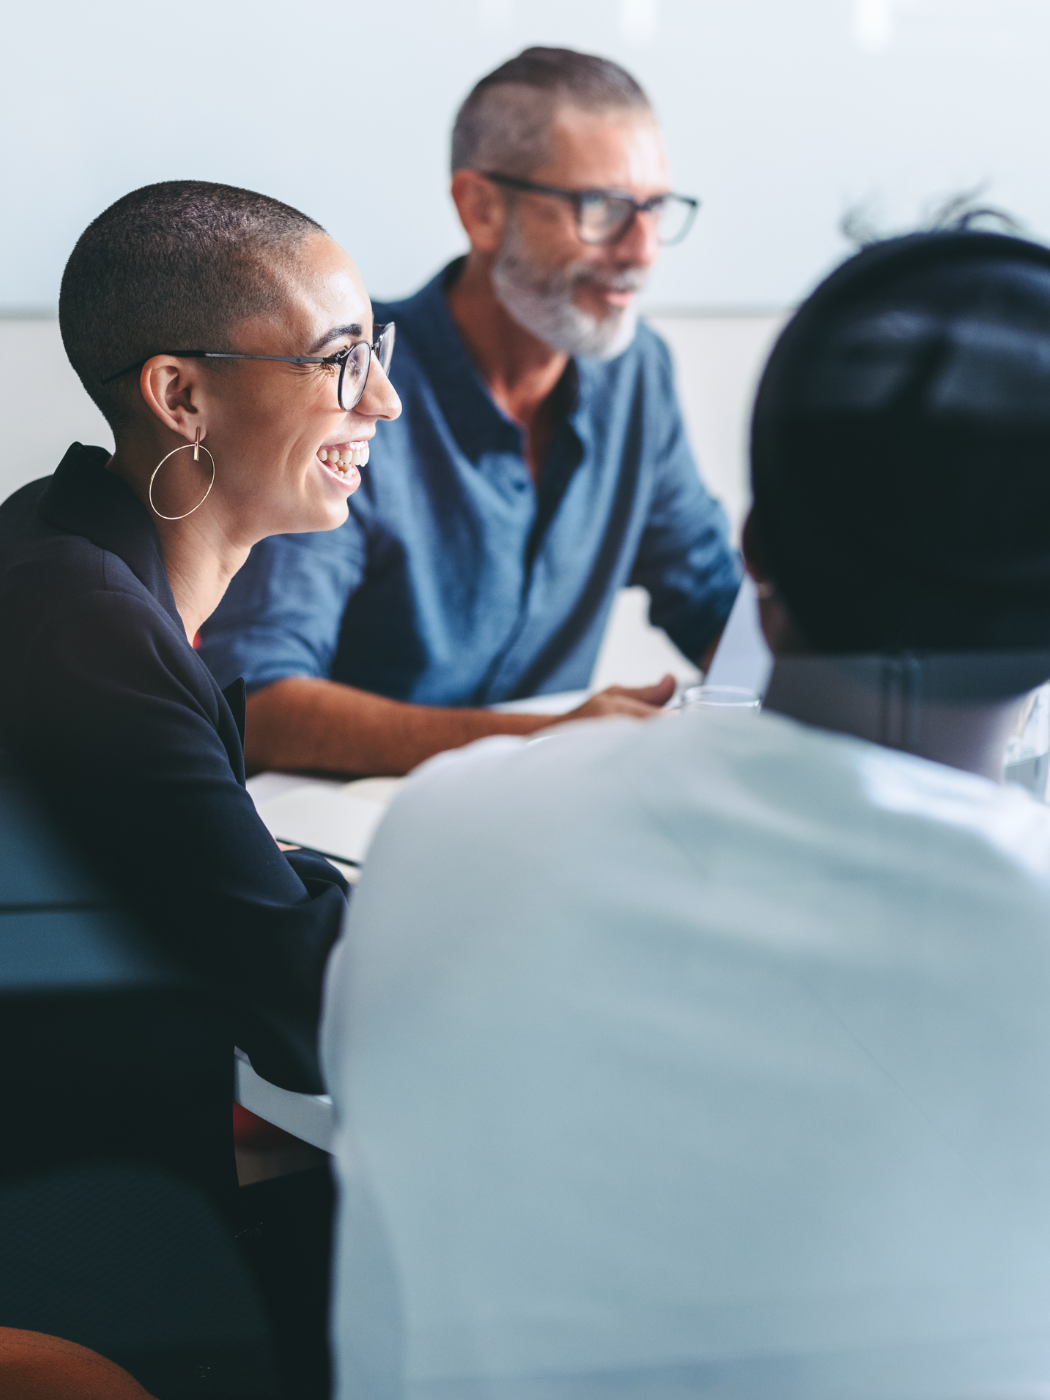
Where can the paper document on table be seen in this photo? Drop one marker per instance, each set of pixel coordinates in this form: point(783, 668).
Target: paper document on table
point(559, 703)
point(337, 821)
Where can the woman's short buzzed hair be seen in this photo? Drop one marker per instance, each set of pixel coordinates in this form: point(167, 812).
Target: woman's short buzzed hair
point(505, 122)
point(172, 266)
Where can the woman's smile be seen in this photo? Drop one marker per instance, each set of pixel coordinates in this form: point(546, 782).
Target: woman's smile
point(343, 460)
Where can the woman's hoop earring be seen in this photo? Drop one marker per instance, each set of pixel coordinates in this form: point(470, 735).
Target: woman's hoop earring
point(198, 448)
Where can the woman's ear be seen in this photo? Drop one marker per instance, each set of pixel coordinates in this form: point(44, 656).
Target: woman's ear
point(171, 391)
point(481, 208)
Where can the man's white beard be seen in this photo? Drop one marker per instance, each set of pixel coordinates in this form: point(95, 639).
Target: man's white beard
point(541, 301)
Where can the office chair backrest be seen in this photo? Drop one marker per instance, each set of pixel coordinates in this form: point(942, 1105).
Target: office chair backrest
point(117, 1177)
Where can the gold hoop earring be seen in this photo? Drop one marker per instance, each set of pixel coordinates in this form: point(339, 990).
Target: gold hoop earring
point(198, 448)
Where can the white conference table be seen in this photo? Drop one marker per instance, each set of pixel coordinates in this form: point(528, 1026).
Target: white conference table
point(285, 800)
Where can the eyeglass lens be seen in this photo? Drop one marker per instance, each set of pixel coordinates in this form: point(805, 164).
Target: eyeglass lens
point(605, 218)
point(354, 373)
point(385, 346)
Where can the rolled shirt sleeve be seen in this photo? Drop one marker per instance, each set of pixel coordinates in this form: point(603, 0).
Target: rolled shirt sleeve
point(282, 613)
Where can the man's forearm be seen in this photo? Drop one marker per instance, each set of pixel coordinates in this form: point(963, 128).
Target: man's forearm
point(305, 724)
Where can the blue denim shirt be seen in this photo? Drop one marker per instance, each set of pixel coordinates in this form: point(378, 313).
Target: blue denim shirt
point(455, 581)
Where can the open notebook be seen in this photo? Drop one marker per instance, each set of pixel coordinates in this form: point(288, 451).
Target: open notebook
point(337, 819)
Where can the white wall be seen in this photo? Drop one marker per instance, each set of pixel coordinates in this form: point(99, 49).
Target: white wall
point(718, 360)
point(43, 408)
point(779, 113)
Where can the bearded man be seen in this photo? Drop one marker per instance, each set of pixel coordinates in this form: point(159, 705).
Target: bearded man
point(540, 462)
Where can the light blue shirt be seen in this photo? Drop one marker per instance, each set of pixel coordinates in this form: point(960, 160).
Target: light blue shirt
point(702, 1057)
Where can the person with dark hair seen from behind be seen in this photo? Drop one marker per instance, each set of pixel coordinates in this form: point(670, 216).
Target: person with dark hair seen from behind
point(711, 1055)
point(540, 465)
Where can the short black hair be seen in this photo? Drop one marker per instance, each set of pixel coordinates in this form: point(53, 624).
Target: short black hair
point(504, 122)
point(172, 266)
point(900, 449)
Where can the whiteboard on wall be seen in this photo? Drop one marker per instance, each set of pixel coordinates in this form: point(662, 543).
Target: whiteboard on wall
point(779, 114)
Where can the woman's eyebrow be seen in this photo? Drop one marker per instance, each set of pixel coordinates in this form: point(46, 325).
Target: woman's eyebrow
point(335, 334)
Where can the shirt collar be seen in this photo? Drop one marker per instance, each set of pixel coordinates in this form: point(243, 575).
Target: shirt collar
point(479, 425)
point(84, 498)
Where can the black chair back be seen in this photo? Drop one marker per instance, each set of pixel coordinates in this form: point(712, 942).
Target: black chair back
point(118, 1188)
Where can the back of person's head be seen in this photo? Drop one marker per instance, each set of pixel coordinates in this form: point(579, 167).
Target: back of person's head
point(172, 266)
point(900, 450)
point(505, 122)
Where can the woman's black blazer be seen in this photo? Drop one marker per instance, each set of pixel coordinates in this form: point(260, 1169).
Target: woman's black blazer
point(106, 704)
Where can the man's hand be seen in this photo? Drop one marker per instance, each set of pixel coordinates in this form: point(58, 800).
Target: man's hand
point(640, 701)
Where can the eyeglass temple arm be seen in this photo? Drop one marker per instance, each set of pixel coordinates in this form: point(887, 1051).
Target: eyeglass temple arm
point(202, 355)
point(377, 331)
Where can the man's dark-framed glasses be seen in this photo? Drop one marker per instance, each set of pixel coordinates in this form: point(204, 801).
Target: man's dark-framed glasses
point(604, 216)
point(353, 362)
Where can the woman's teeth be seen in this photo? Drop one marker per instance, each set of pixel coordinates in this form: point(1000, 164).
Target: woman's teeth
point(341, 459)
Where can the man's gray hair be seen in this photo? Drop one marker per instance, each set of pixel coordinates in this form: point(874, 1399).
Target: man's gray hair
point(505, 123)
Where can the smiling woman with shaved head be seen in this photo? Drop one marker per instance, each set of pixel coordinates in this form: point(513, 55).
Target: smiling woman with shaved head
point(230, 344)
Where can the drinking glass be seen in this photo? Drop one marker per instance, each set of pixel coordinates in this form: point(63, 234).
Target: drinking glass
point(720, 697)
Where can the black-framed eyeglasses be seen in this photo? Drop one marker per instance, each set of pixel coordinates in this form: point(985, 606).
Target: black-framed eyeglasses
point(353, 362)
point(604, 216)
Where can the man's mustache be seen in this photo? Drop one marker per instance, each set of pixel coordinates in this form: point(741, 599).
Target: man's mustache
point(631, 279)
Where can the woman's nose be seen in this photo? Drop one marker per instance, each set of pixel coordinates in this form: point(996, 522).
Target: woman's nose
point(380, 398)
